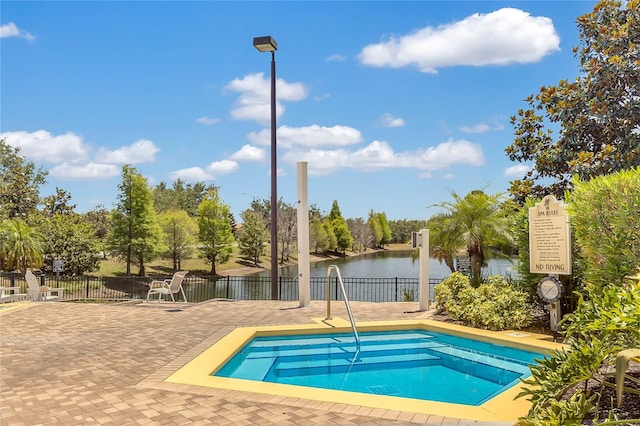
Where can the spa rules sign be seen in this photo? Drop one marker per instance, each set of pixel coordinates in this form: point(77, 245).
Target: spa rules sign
point(549, 238)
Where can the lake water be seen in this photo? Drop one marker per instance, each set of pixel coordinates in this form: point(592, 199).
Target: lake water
point(390, 264)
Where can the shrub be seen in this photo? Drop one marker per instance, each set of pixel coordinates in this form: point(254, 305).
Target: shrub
point(605, 214)
point(601, 326)
point(495, 305)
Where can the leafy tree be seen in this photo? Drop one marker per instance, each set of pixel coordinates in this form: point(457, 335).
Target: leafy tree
point(479, 223)
point(215, 230)
point(386, 230)
point(19, 183)
point(362, 234)
point(181, 196)
point(253, 236)
point(605, 213)
point(401, 229)
point(21, 245)
point(287, 222)
point(179, 235)
point(58, 203)
point(135, 234)
point(376, 228)
point(596, 115)
point(340, 228)
point(332, 240)
point(318, 237)
point(68, 236)
point(99, 220)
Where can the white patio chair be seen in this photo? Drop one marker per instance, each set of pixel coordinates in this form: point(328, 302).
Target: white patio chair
point(39, 292)
point(11, 294)
point(174, 285)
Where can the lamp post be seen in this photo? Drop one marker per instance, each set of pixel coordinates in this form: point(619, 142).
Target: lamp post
point(268, 44)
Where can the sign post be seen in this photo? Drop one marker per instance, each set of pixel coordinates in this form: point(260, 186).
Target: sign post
point(58, 266)
point(550, 251)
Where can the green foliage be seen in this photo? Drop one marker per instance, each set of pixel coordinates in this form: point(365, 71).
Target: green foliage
point(605, 213)
point(445, 239)
point(344, 240)
point(68, 236)
point(478, 223)
point(408, 295)
point(318, 237)
point(375, 226)
point(401, 229)
point(19, 183)
point(569, 412)
point(494, 305)
point(181, 196)
point(215, 230)
point(596, 115)
point(602, 325)
point(135, 232)
point(253, 236)
point(21, 245)
point(58, 203)
point(332, 240)
point(179, 235)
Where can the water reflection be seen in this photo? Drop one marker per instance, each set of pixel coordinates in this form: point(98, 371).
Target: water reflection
point(389, 264)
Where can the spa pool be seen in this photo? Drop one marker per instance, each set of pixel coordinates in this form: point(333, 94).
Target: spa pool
point(415, 364)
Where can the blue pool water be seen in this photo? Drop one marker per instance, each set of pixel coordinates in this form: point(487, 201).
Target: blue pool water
point(410, 364)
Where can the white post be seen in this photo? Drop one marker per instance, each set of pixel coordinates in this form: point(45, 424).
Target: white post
point(424, 270)
point(304, 267)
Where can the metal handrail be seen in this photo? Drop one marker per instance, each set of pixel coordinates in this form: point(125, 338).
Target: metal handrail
point(346, 301)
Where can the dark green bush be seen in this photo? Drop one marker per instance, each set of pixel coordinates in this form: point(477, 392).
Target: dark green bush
point(494, 305)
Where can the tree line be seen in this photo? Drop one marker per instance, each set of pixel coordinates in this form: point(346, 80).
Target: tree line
point(174, 222)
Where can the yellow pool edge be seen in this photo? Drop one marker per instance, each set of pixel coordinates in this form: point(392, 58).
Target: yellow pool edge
point(503, 407)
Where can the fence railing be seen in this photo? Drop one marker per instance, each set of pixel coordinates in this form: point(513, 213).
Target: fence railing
point(201, 288)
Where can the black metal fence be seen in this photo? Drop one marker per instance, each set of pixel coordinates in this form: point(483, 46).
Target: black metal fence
point(198, 289)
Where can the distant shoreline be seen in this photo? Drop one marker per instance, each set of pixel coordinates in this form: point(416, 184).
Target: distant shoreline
point(237, 272)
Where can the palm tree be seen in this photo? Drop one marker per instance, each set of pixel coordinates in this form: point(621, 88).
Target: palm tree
point(22, 245)
point(474, 222)
point(445, 239)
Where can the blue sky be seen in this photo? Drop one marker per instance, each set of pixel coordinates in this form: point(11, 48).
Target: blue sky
point(394, 105)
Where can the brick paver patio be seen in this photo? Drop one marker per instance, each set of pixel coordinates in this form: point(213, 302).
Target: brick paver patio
point(103, 364)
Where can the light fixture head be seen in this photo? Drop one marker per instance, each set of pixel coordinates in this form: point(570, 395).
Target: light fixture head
point(265, 44)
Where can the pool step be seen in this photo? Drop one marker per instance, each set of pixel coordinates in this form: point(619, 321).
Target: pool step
point(342, 365)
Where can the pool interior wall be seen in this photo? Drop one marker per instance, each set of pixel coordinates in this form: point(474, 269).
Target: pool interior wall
point(502, 407)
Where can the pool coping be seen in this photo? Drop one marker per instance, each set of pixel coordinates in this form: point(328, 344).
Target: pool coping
point(197, 370)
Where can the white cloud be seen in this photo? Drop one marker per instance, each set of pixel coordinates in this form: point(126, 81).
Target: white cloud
point(87, 171)
point(254, 102)
point(223, 167)
point(336, 58)
point(477, 128)
point(207, 121)
point(309, 136)
point(142, 151)
point(517, 171)
point(249, 153)
point(498, 38)
point(191, 174)
point(388, 120)
point(11, 30)
point(43, 147)
point(378, 155)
